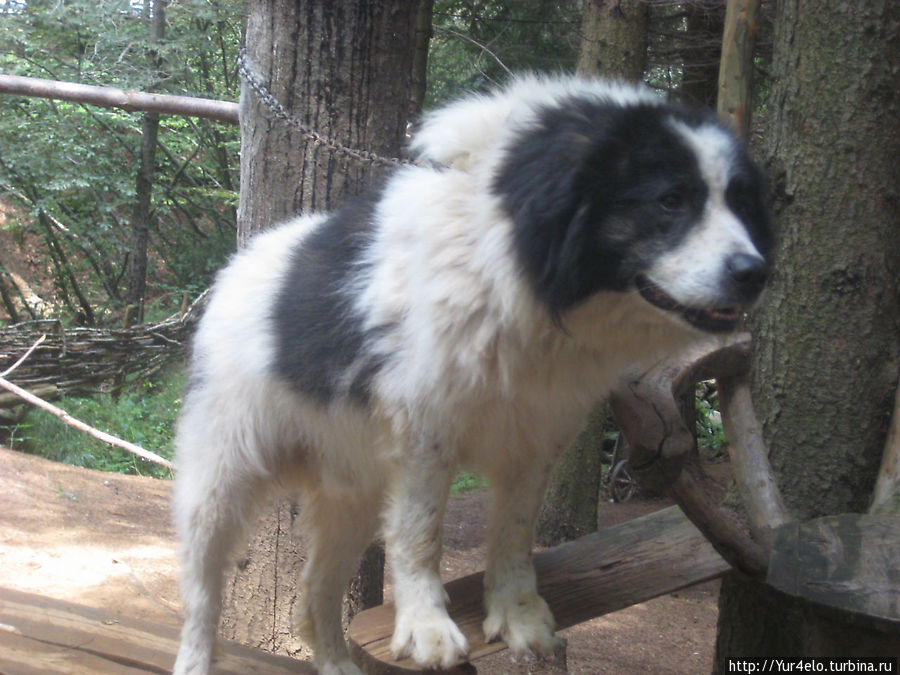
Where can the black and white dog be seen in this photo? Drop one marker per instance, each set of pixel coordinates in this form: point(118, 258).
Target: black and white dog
point(467, 314)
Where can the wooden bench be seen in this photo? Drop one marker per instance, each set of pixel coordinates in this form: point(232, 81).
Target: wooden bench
point(594, 575)
point(43, 635)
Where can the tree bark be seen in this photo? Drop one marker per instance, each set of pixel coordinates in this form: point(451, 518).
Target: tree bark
point(614, 39)
point(342, 68)
point(828, 335)
point(735, 82)
point(570, 507)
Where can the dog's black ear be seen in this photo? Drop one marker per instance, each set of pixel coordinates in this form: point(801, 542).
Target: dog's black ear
point(552, 184)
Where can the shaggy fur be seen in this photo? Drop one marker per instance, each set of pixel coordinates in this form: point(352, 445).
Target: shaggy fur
point(470, 313)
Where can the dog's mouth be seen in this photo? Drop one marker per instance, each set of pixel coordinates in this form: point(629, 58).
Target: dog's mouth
point(711, 320)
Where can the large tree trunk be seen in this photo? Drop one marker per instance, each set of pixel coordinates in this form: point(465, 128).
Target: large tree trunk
point(828, 336)
point(343, 69)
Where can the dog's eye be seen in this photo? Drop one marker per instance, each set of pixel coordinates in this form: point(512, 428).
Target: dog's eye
point(674, 200)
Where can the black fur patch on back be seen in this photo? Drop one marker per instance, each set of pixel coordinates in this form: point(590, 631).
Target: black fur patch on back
point(319, 336)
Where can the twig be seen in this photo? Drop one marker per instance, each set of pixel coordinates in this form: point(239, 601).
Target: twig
point(478, 44)
point(25, 356)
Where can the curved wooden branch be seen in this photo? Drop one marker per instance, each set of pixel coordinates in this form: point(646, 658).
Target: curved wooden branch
point(750, 460)
point(647, 410)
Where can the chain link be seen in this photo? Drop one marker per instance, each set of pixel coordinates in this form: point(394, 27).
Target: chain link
point(278, 110)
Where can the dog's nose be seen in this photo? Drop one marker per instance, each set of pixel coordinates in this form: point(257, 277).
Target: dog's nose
point(748, 274)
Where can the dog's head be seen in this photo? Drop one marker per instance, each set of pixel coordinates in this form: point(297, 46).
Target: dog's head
point(637, 196)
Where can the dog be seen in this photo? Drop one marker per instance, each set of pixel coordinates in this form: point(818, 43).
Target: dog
point(470, 311)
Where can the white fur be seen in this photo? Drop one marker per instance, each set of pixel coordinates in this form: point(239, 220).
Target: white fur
point(477, 374)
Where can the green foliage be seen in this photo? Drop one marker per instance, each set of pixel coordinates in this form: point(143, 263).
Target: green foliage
point(70, 169)
point(144, 415)
point(466, 481)
point(711, 440)
point(474, 43)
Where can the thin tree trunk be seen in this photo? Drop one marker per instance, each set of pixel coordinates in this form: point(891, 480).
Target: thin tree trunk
point(140, 219)
point(828, 334)
point(614, 39)
point(736, 71)
point(420, 59)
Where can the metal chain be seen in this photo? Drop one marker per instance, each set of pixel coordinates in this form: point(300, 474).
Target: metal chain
point(280, 112)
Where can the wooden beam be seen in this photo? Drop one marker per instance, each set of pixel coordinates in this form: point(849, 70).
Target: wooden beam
point(591, 576)
point(126, 99)
point(43, 635)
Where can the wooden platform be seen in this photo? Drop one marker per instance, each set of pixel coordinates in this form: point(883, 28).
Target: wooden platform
point(597, 574)
point(40, 635)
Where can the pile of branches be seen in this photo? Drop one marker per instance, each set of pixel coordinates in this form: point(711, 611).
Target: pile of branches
point(86, 360)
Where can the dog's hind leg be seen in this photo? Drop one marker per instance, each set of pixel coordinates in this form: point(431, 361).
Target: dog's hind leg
point(336, 531)
point(514, 609)
point(212, 505)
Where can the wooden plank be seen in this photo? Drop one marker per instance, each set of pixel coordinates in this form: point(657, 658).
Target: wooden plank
point(594, 575)
point(44, 635)
point(849, 562)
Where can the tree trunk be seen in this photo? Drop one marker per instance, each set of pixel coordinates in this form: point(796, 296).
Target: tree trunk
point(140, 218)
point(420, 60)
point(343, 69)
point(570, 507)
point(736, 70)
point(614, 39)
point(828, 335)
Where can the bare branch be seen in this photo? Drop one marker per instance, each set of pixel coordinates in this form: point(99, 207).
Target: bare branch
point(750, 460)
point(18, 363)
point(482, 47)
point(112, 97)
point(71, 421)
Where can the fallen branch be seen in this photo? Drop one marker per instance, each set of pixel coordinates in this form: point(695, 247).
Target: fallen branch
point(71, 421)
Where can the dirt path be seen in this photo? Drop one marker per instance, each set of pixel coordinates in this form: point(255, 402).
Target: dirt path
point(105, 540)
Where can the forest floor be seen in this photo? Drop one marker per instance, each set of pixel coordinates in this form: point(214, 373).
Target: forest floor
point(105, 540)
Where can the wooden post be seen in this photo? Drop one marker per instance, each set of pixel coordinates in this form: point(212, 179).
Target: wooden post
point(736, 67)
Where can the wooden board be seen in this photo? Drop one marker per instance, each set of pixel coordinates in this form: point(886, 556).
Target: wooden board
point(594, 575)
point(849, 563)
point(43, 635)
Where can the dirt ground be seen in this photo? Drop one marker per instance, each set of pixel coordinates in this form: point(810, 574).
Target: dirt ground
point(105, 540)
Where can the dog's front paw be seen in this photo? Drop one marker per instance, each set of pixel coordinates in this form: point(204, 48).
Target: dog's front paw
point(430, 637)
point(524, 622)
